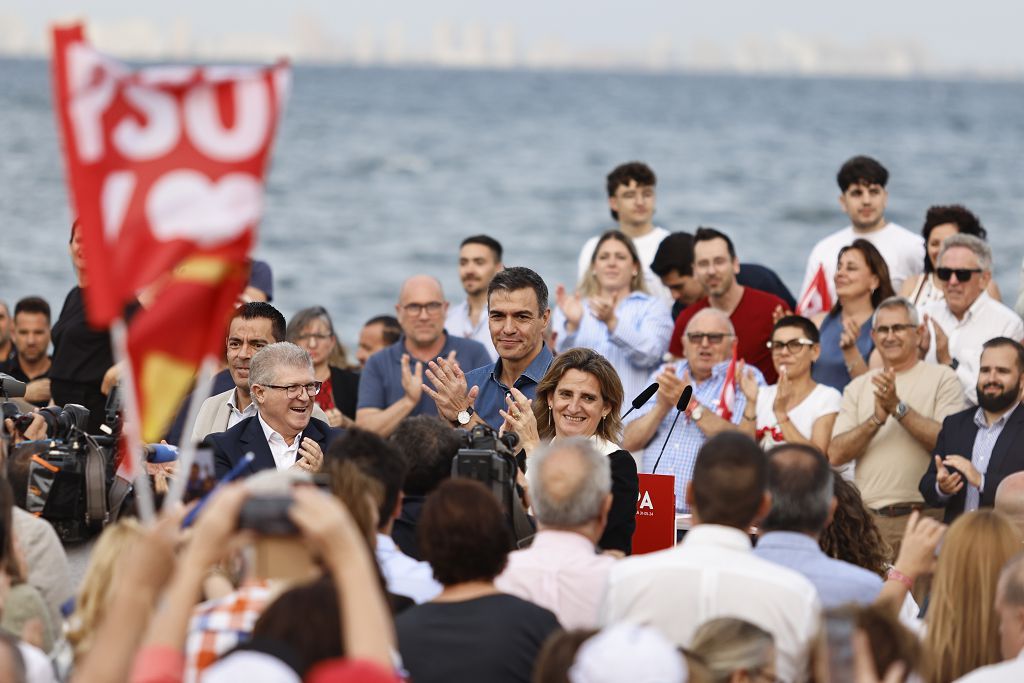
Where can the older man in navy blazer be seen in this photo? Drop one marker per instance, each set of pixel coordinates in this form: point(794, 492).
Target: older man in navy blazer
point(283, 434)
point(978, 447)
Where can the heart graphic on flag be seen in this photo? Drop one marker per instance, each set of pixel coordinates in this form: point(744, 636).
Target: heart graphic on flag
point(186, 205)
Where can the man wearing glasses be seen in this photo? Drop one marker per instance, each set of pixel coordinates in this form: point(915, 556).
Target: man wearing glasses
point(253, 326)
point(890, 420)
point(391, 386)
point(751, 311)
point(707, 348)
point(283, 434)
point(967, 317)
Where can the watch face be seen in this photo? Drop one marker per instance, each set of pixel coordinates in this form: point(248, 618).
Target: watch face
point(697, 413)
point(463, 417)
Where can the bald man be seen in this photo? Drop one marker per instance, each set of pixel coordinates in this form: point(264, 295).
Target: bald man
point(391, 386)
point(1010, 499)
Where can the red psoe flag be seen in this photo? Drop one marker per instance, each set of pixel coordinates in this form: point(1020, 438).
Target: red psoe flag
point(727, 399)
point(817, 298)
point(168, 341)
point(163, 163)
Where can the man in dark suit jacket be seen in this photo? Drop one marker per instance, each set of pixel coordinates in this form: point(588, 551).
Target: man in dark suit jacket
point(978, 447)
point(283, 434)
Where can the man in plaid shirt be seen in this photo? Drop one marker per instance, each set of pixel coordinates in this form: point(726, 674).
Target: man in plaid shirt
point(220, 624)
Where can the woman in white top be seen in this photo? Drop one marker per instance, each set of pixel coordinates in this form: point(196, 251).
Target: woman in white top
point(613, 314)
point(797, 409)
point(939, 223)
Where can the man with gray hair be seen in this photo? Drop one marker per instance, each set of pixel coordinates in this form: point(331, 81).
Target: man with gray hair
point(283, 434)
point(707, 347)
point(890, 418)
point(1010, 607)
point(800, 481)
point(967, 317)
point(570, 488)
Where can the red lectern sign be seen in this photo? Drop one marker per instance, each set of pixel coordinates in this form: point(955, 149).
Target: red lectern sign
point(655, 514)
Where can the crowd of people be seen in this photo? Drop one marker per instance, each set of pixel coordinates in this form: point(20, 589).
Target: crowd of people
point(848, 473)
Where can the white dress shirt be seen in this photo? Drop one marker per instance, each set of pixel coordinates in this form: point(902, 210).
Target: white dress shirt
point(284, 455)
point(235, 415)
point(561, 571)
point(714, 573)
point(984, 320)
point(458, 324)
point(404, 575)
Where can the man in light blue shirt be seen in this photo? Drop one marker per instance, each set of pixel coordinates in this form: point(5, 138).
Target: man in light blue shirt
point(708, 345)
point(800, 481)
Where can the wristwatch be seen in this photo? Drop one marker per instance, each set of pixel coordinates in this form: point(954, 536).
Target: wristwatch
point(697, 413)
point(465, 416)
point(901, 411)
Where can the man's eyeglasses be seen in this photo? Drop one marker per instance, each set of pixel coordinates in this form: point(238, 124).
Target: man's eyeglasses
point(295, 390)
point(432, 308)
point(794, 346)
point(899, 328)
point(712, 337)
point(962, 274)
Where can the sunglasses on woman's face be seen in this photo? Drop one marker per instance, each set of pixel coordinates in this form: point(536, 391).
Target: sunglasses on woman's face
point(962, 274)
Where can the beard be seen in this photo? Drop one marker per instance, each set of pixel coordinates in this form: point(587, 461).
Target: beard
point(998, 402)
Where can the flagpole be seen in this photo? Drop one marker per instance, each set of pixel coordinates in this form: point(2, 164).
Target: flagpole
point(187, 450)
point(132, 423)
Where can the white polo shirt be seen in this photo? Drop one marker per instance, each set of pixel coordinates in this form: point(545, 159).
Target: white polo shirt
point(984, 320)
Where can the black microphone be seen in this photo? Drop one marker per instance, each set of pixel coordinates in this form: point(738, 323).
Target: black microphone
point(10, 387)
point(684, 400)
point(643, 397)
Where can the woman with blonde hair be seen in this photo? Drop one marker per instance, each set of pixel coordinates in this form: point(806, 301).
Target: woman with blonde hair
point(962, 625)
point(734, 650)
point(613, 314)
point(99, 582)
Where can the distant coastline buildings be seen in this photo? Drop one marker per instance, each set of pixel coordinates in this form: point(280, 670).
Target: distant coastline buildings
point(473, 45)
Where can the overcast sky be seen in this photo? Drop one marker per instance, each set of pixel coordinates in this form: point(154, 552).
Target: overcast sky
point(978, 34)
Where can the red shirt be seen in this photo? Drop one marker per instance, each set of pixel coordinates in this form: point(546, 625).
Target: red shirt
point(753, 322)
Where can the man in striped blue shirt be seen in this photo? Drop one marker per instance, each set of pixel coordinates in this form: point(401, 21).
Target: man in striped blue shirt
point(707, 345)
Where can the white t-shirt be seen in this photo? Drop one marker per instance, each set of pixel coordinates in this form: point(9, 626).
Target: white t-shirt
point(902, 250)
point(824, 400)
point(646, 247)
point(459, 324)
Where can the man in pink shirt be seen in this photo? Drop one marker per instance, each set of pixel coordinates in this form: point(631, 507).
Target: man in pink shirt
point(570, 491)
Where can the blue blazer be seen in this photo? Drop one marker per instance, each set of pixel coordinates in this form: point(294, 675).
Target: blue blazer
point(231, 446)
point(957, 438)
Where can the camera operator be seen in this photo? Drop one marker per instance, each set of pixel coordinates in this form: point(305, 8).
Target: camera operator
point(31, 364)
point(81, 355)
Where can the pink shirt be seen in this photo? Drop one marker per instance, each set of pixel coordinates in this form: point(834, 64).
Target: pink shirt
point(561, 572)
